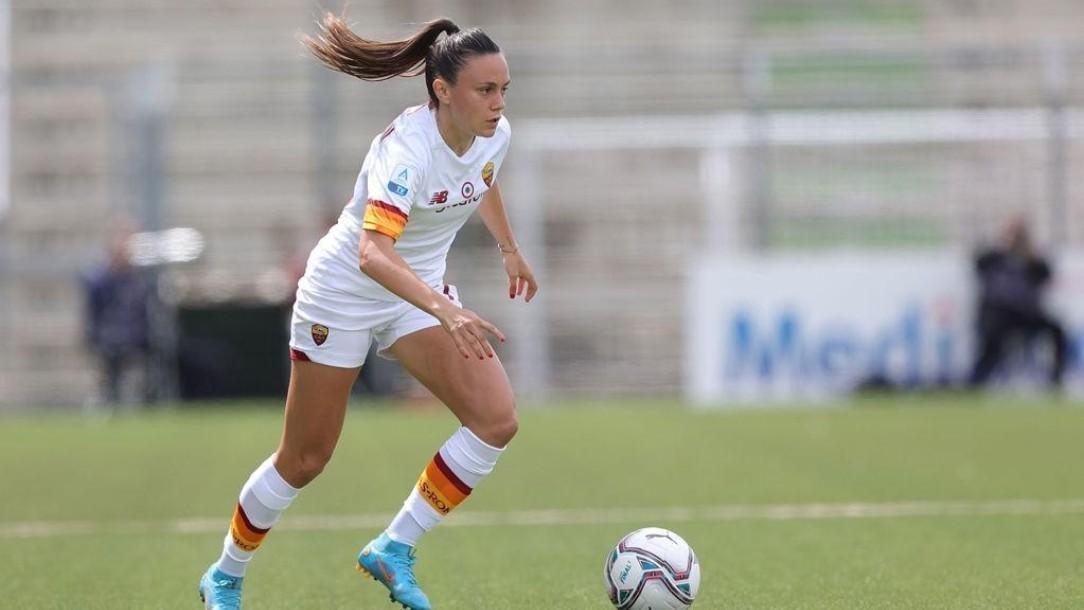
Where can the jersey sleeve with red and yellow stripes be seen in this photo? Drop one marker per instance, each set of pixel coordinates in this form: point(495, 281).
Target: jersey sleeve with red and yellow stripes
point(394, 179)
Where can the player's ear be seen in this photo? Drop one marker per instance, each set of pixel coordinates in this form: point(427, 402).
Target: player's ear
point(442, 90)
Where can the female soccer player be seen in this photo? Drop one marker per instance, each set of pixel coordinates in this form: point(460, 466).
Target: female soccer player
point(378, 275)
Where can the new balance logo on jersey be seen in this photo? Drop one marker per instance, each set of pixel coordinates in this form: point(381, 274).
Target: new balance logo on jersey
point(439, 198)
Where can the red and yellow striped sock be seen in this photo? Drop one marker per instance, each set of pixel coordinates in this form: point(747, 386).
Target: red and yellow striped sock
point(441, 487)
point(263, 499)
point(245, 535)
point(448, 479)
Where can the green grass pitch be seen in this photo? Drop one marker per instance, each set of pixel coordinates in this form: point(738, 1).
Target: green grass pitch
point(945, 502)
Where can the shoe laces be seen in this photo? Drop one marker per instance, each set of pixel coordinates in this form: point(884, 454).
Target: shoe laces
point(228, 590)
point(407, 561)
point(228, 583)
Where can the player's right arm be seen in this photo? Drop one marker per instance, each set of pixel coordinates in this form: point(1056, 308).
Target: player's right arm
point(394, 180)
point(379, 260)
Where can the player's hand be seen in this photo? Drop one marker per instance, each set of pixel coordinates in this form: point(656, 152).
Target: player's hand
point(469, 332)
point(520, 276)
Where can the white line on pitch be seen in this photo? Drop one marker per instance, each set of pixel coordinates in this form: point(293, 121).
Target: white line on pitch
point(726, 512)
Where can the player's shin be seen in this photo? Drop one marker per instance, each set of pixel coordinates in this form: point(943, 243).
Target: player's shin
point(264, 497)
point(448, 479)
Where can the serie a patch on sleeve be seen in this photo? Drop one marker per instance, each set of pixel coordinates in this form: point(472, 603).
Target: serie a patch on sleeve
point(400, 179)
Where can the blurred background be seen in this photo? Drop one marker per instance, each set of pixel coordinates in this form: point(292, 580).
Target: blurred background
point(726, 201)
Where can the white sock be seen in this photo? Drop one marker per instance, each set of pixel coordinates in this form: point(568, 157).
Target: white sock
point(263, 499)
point(447, 480)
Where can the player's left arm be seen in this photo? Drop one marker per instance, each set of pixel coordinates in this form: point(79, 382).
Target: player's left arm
point(520, 276)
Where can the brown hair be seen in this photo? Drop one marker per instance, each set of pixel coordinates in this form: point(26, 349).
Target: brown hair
point(339, 48)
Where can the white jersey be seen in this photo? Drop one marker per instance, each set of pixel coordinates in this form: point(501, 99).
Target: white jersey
point(412, 188)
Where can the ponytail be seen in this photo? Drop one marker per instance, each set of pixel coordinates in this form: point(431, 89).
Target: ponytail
point(340, 49)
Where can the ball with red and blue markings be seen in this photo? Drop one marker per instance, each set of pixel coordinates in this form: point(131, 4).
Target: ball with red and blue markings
point(652, 569)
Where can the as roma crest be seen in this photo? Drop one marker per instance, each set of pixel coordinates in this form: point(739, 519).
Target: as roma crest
point(319, 333)
point(487, 173)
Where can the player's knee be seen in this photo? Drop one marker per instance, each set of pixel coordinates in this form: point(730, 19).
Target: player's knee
point(500, 431)
point(301, 468)
point(510, 428)
point(312, 464)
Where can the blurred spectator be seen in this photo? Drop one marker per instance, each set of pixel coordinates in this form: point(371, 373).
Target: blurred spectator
point(117, 329)
point(1011, 278)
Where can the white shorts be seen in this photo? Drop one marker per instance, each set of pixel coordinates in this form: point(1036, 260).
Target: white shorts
point(383, 321)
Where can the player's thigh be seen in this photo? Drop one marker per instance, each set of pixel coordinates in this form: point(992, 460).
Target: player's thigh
point(326, 362)
point(477, 391)
point(316, 404)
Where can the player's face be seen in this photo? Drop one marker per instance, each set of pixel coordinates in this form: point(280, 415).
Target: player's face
point(477, 98)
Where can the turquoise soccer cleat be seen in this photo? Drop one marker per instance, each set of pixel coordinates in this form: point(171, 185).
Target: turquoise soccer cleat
point(392, 564)
point(220, 591)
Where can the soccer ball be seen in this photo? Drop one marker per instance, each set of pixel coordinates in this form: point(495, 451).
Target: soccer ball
point(652, 569)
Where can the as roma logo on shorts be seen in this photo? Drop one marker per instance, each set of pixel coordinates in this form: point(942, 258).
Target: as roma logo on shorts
point(319, 333)
point(487, 173)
